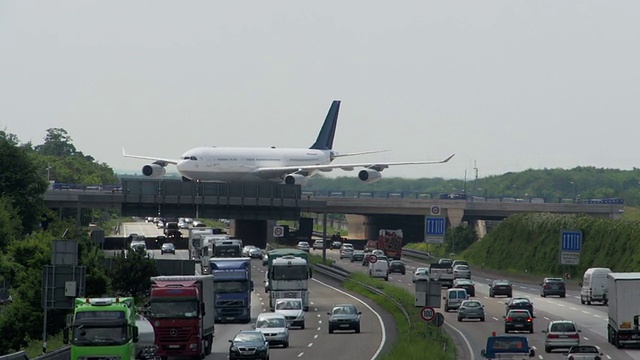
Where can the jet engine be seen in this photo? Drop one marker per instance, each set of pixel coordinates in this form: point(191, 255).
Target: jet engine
point(295, 179)
point(153, 170)
point(369, 175)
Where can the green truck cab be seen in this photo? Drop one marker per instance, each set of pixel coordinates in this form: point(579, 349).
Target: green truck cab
point(102, 328)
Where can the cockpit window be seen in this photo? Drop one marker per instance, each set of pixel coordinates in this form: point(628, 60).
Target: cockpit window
point(193, 158)
point(189, 158)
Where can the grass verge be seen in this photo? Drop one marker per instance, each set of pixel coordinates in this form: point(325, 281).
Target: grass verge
point(416, 340)
point(35, 346)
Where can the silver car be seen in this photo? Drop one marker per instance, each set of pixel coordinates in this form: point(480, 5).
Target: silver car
point(422, 273)
point(461, 271)
point(292, 309)
point(471, 309)
point(274, 327)
point(561, 334)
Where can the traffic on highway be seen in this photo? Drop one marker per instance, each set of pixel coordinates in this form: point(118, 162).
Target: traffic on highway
point(336, 325)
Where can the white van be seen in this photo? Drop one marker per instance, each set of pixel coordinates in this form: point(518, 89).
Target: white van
point(594, 286)
point(454, 298)
point(380, 268)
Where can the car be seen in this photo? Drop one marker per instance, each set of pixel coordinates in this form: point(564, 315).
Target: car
point(274, 327)
point(255, 253)
point(466, 284)
point(317, 245)
point(518, 320)
point(458, 262)
point(357, 255)
point(167, 248)
point(471, 309)
point(265, 259)
point(553, 286)
point(266, 282)
point(246, 249)
point(346, 250)
point(507, 347)
point(584, 352)
point(249, 344)
point(461, 271)
point(397, 266)
point(520, 303)
point(377, 252)
point(365, 259)
point(344, 317)
point(335, 245)
point(183, 225)
point(292, 309)
point(500, 287)
point(303, 245)
point(561, 334)
point(421, 273)
point(453, 299)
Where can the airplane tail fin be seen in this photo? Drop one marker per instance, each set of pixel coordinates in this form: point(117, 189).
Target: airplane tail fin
point(328, 131)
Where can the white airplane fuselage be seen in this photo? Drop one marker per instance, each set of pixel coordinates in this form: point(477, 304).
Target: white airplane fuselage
point(230, 164)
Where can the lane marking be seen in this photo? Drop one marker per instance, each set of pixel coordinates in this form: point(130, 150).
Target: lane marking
point(384, 333)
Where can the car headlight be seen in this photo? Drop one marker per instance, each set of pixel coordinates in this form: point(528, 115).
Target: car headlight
point(233, 348)
point(262, 348)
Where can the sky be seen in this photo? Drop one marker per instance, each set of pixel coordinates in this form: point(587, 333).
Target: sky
point(505, 85)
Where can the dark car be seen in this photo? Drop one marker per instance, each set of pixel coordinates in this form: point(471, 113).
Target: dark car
point(500, 287)
point(397, 266)
point(249, 344)
point(357, 255)
point(466, 284)
point(167, 248)
point(520, 303)
point(518, 320)
point(336, 245)
point(344, 317)
point(553, 286)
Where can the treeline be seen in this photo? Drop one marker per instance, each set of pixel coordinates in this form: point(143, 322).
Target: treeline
point(549, 184)
point(27, 229)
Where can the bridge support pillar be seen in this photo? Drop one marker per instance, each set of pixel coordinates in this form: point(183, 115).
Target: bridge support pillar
point(356, 226)
point(455, 216)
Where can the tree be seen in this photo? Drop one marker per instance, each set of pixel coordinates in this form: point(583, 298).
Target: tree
point(132, 272)
point(21, 183)
point(56, 143)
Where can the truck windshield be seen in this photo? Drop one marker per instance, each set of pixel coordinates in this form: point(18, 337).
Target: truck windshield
point(290, 273)
point(226, 251)
point(99, 335)
point(225, 287)
point(161, 308)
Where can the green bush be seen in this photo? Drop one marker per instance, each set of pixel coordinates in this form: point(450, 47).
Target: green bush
point(531, 243)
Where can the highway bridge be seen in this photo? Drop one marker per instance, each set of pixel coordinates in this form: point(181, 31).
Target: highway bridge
point(174, 198)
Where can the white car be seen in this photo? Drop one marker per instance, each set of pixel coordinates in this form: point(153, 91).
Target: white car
point(584, 352)
point(246, 250)
point(304, 246)
point(274, 327)
point(292, 309)
point(461, 271)
point(421, 273)
point(346, 251)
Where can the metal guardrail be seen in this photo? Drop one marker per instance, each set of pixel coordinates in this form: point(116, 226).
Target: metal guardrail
point(417, 254)
point(20, 355)
point(63, 353)
point(343, 275)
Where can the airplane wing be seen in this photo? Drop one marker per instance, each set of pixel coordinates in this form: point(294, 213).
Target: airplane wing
point(271, 172)
point(159, 161)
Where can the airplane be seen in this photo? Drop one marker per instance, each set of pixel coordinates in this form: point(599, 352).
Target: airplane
point(292, 166)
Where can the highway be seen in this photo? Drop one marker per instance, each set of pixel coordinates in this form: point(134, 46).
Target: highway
point(314, 342)
point(591, 320)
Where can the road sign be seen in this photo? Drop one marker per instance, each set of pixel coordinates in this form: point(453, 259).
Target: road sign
point(428, 313)
point(570, 247)
point(278, 231)
point(571, 240)
point(435, 210)
point(434, 229)
point(373, 259)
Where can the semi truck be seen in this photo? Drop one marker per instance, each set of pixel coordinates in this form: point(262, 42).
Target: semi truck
point(181, 312)
point(288, 274)
point(218, 246)
point(624, 309)
point(390, 241)
point(108, 328)
point(233, 287)
point(195, 241)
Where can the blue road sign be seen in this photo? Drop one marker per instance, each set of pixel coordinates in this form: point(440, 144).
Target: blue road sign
point(435, 226)
point(571, 240)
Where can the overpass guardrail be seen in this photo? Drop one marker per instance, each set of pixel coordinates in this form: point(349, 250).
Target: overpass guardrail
point(417, 254)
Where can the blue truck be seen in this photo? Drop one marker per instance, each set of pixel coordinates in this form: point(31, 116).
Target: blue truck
point(232, 288)
point(507, 347)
